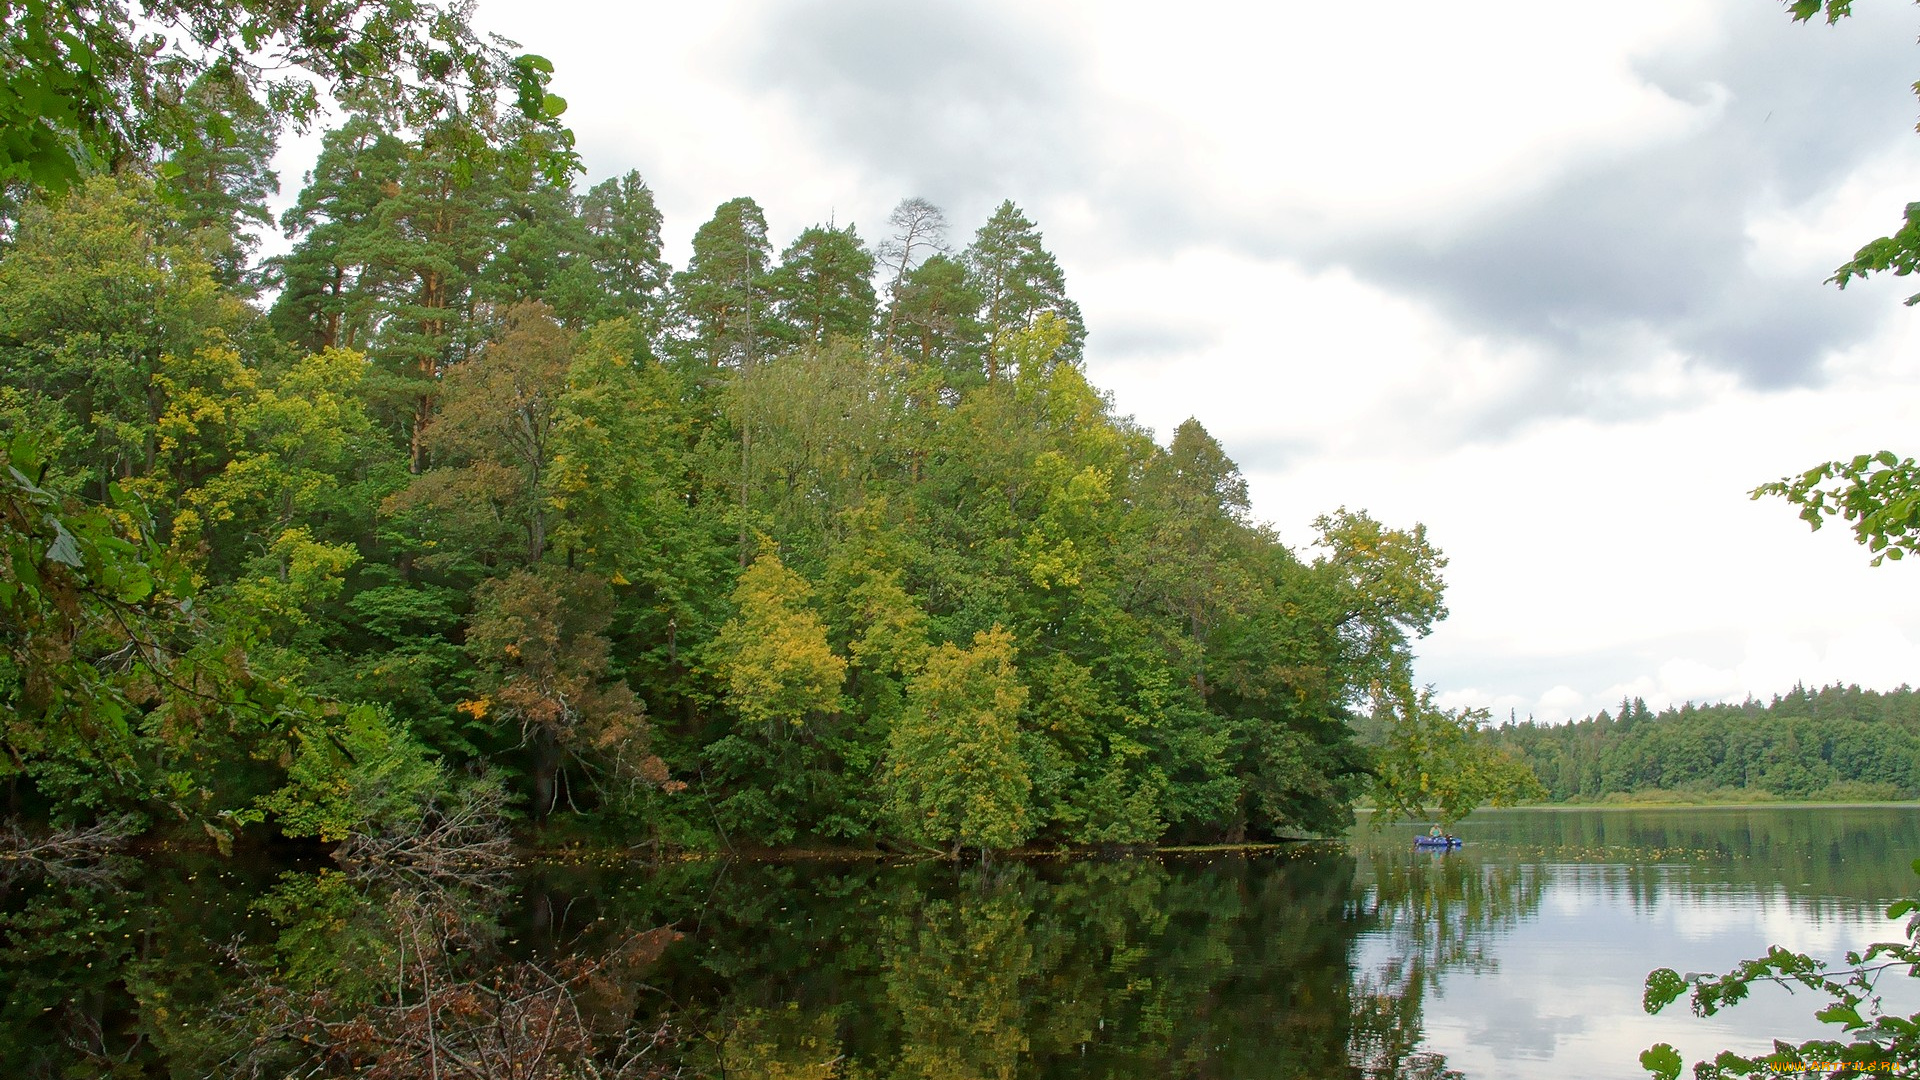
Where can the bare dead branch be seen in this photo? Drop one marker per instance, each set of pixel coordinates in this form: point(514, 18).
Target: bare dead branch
point(90, 853)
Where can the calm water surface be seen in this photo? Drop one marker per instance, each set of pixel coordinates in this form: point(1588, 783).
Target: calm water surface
point(1522, 955)
point(1583, 903)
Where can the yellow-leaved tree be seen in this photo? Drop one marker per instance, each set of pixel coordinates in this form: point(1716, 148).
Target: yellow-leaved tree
point(954, 772)
point(773, 655)
point(783, 759)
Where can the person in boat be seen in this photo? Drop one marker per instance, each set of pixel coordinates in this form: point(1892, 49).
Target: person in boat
point(1435, 833)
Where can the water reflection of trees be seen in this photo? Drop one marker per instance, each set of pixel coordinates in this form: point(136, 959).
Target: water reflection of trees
point(1223, 966)
point(387, 980)
point(1428, 914)
point(214, 968)
point(1229, 967)
point(1825, 851)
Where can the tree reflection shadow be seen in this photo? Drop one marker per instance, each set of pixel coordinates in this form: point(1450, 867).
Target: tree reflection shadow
point(1429, 915)
point(1228, 967)
point(1307, 963)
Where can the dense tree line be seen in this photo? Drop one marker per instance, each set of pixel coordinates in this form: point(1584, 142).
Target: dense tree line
point(1835, 742)
point(470, 491)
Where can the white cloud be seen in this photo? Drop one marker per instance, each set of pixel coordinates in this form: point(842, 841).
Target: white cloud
point(1594, 560)
point(1411, 109)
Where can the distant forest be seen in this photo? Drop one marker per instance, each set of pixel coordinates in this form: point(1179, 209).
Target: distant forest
point(1840, 743)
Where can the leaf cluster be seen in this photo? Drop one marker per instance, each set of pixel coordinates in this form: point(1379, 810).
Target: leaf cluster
point(1878, 493)
point(95, 84)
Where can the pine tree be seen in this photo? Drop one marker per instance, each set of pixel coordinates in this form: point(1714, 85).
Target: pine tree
point(1017, 280)
point(722, 298)
point(434, 236)
point(218, 171)
point(618, 271)
point(537, 235)
point(935, 319)
point(332, 282)
point(823, 288)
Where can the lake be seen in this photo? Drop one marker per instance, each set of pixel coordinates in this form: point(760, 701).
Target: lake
point(1583, 903)
point(1521, 955)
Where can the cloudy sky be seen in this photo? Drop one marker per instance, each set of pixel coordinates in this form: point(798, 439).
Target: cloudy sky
point(1545, 277)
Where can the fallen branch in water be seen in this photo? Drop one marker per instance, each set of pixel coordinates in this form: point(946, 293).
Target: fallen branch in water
point(72, 853)
point(466, 842)
point(450, 1007)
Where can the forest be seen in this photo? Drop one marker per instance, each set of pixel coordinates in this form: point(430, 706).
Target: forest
point(469, 507)
point(1838, 743)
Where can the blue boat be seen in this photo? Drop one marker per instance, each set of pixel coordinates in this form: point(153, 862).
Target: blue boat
point(1437, 841)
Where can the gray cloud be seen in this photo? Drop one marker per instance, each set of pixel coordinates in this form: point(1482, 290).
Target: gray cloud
point(1600, 270)
point(1142, 334)
point(1270, 454)
point(1657, 240)
point(949, 100)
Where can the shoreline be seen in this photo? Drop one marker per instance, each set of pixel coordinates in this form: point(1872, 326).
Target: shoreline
point(564, 850)
point(1764, 804)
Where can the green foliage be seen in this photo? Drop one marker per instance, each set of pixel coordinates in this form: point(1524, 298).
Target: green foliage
point(722, 299)
point(333, 280)
point(538, 638)
point(94, 611)
point(357, 773)
point(121, 694)
point(1392, 584)
point(92, 85)
point(94, 295)
point(218, 170)
point(823, 288)
point(1834, 10)
point(782, 680)
point(1440, 759)
point(934, 318)
point(1837, 743)
point(1872, 1040)
point(773, 656)
point(1878, 493)
point(1017, 280)
point(954, 773)
point(488, 470)
point(1899, 253)
point(494, 435)
point(618, 271)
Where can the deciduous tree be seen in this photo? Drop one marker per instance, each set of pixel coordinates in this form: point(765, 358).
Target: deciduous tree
point(954, 772)
point(917, 229)
point(538, 637)
point(1441, 759)
point(95, 85)
point(782, 681)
